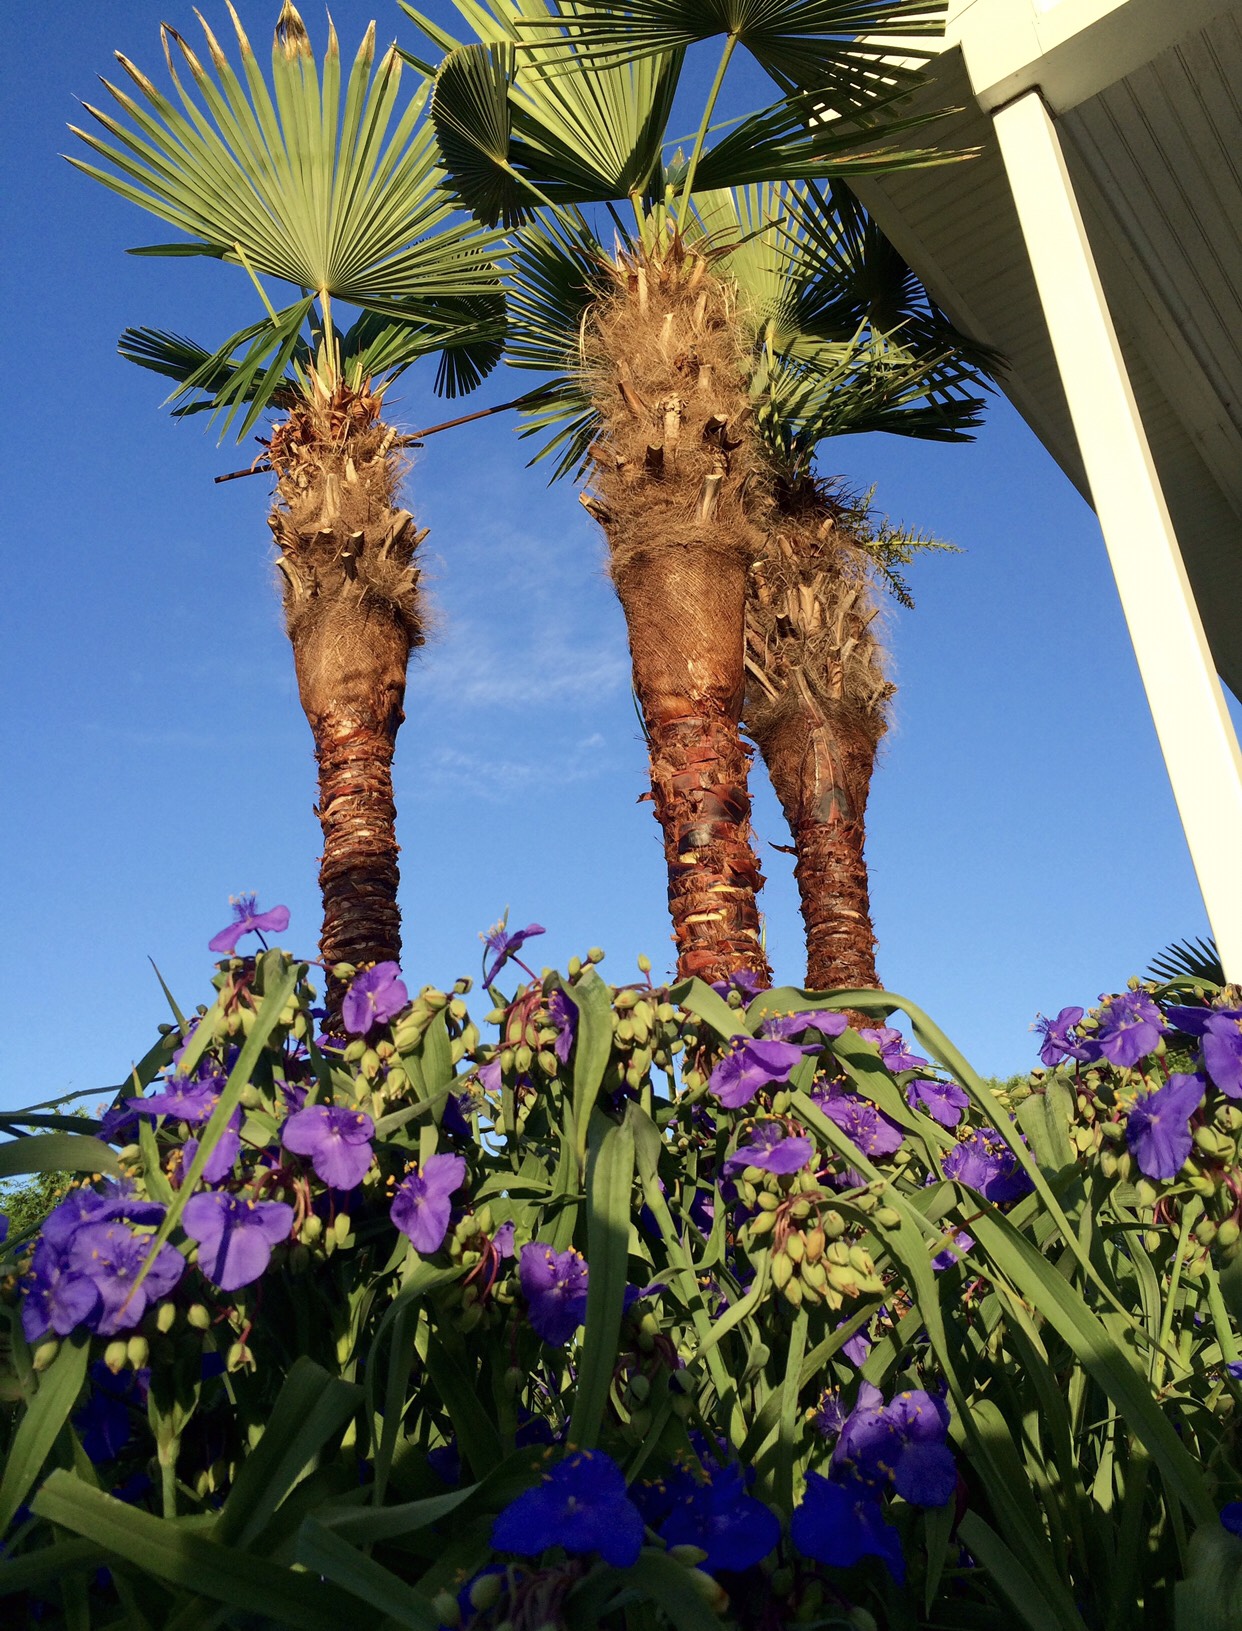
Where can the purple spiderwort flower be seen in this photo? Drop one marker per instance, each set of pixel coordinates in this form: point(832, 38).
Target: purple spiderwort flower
point(564, 1015)
point(985, 1163)
point(1234, 1369)
point(1060, 1041)
point(374, 997)
point(786, 1027)
point(248, 919)
point(505, 945)
point(56, 1298)
point(942, 1101)
point(581, 1505)
point(857, 1348)
point(188, 1098)
point(830, 1414)
point(713, 1512)
point(1222, 1051)
point(873, 1131)
point(1231, 1517)
point(235, 1236)
point(953, 1253)
point(892, 1046)
point(337, 1140)
point(840, 1524)
point(741, 980)
point(771, 1148)
point(555, 1287)
point(105, 1421)
point(421, 1206)
point(113, 1256)
point(219, 1163)
point(1158, 1127)
point(902, 1444)
point(1130, 1027)
point(755, 1064)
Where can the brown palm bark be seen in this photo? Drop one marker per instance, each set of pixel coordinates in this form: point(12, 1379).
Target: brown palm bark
point(816, 707)
point(671, 469)
point(351, 604)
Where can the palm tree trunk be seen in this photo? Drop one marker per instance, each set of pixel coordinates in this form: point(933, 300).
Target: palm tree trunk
point(823, 782)
point(816, 707)
point(671, 470)
point(352, 613)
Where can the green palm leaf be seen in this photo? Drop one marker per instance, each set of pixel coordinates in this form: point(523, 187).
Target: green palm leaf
point(803, 44)
point(325, 181)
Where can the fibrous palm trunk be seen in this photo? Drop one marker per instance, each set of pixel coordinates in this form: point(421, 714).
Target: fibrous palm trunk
point(816, 707)
point(672, 465)
point(352, 613)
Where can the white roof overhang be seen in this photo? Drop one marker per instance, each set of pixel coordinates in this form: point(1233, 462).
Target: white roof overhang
point(1145, 94)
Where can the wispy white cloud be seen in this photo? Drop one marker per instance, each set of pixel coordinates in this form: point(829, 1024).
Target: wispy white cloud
point(497, 779)
point(467, 670)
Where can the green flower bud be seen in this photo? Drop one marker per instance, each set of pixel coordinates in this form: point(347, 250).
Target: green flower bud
point(354, 1051)
point(761, 1224)
point(640, 1421)
point(340, 1227)
point(690, 1555)
point(575, 967)
point(644, 963)
point(640, 1387)
point(1228, 1234)
point(767, 1201)
point(800, 1210)
point(795, 1247)
point(522, 1059)
point(138, 1351)
point(888, 1216)
point(116, 1356)
point(792, 1292)
point(595, 955)
point(814, 1275)
point(198, 1317)
point(834, 1225)
point(239, 1357)
point(485, 1592)
point(369, 1065)
point(815, 1243)
point(782, 1270)
point(44, 1354)
point(446, 1609)
point(1147, 1192)
point(1205, 1231)
point(165, 1318)
point(469, 1317)
point(549, 1064)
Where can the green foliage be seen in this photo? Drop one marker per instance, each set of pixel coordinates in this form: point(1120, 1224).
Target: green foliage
point(301, 1431)
point(325, 181)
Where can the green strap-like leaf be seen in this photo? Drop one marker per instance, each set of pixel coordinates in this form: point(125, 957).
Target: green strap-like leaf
point(311, 1409)
point(610, 1181)
point(57, 1152)
point(189, 1560)
point(40, 1425)
point(367, 1582)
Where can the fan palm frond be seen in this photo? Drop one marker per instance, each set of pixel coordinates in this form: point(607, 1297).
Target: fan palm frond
point(324, 180)
point(823, 45)
point(1189, 959)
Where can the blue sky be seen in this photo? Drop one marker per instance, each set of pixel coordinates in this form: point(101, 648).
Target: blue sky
point(1024, 846)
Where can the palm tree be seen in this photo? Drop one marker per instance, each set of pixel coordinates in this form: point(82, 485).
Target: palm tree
point(555, 109)
point(331, 186)
point(853, 343)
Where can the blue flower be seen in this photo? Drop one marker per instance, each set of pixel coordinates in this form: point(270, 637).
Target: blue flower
point(984, 1162)
point(714, 1513)
point(772, 1149)
point(892, 1046)
point(787, 1027)
point(505, 945)
point(235, 1236)
point(1222, 1051)
point(840, 1524)
point(374, 997)
point(555, 1287)
point(1158, 1128)
point(421, 1207)
point(872, 1131)
point(337, 1140)
point(105, 1421)
point(248, 919)
point(581, 1505)
point(942, 1101)
point(1060, 1042)
point(902, 1444)
point(752, 1065)
point(1130, 1027)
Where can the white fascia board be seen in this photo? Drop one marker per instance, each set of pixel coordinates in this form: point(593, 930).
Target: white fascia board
point(1069, 49)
